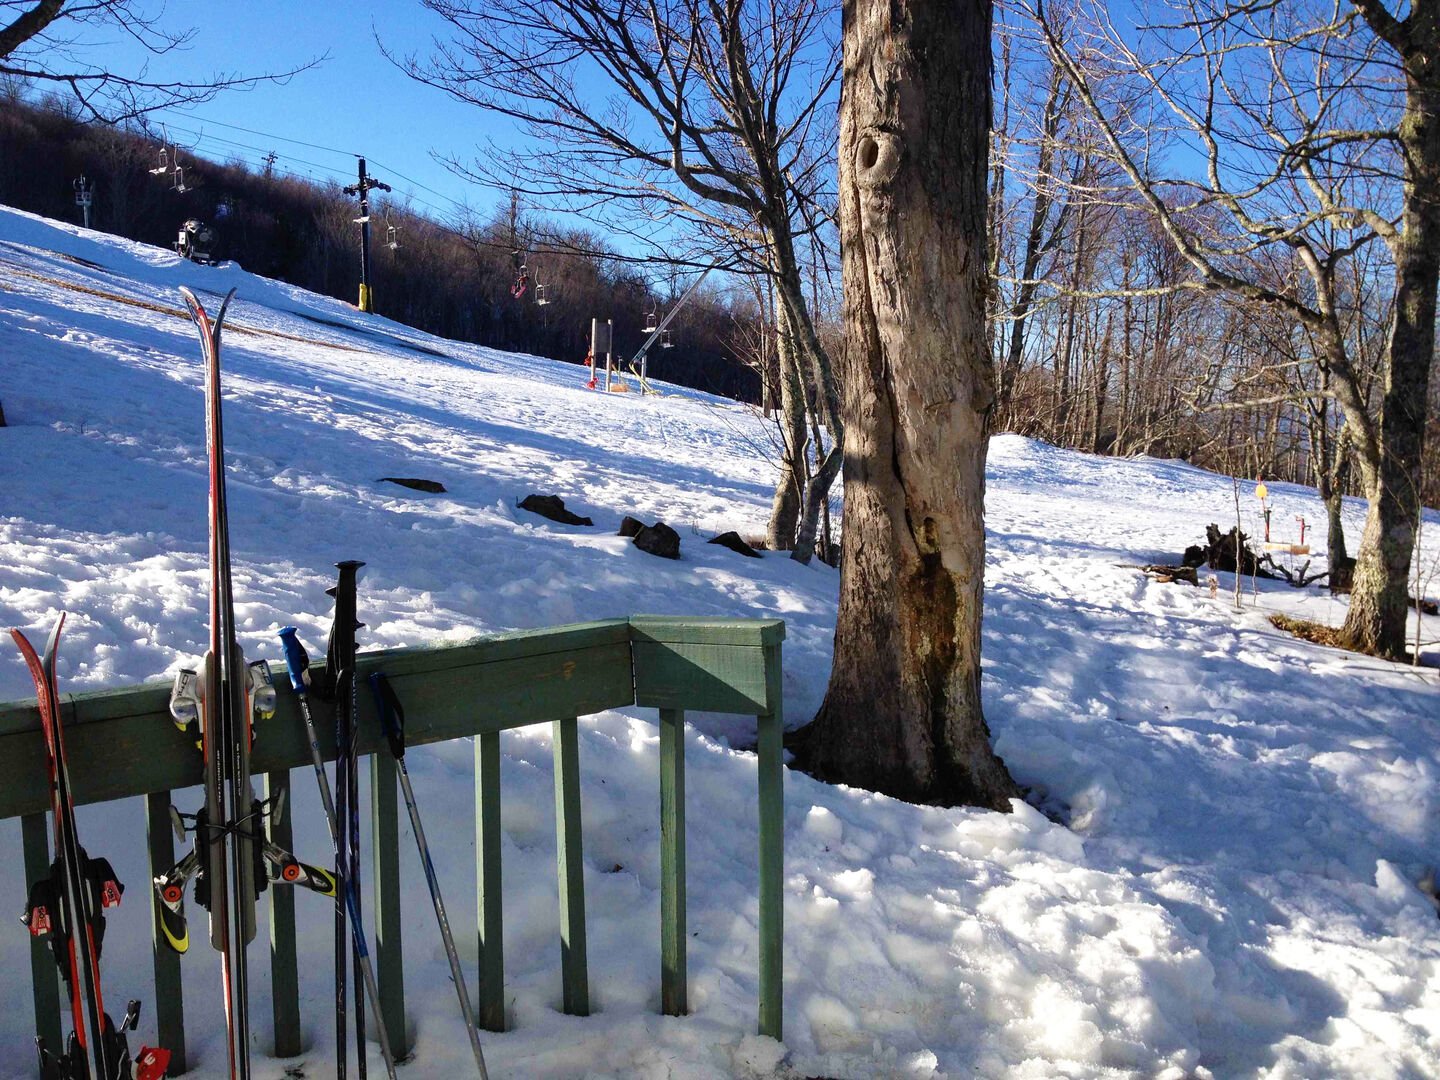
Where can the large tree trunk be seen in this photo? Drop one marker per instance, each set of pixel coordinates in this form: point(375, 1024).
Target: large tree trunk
point(1379, 602)
point(902, 714)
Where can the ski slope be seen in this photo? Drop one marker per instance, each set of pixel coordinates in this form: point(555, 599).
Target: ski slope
point(1245, 886)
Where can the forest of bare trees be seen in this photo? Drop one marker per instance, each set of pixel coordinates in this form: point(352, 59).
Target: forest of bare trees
point(1215, 230)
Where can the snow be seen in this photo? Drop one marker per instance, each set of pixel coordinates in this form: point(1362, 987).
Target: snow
point(1244, 886)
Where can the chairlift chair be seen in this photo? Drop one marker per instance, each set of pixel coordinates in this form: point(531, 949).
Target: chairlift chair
point(651, 322)
point(542, 294)
point(164, 166)
point(180, 180)
point(665, 342)
point(392, 238)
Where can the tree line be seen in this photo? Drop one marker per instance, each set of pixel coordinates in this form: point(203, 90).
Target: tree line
point(450, 279)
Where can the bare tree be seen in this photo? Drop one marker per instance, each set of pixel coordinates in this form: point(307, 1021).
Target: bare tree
point(47, 41)
point(1317, 131)
point(678, 123)
point(903, 712)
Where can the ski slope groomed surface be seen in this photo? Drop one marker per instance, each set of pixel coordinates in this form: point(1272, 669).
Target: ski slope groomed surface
point(1244, 887)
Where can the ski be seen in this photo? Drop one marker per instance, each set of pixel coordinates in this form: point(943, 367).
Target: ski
point(298, 664)
point(392, 723)
point(215, 706)
point(69, 908)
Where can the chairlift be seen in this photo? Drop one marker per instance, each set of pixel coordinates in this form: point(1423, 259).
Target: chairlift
point(542, 294)
point(164, 166)
point(651, 321)
point(665, 342)
point(180, 180)
point(392, 237)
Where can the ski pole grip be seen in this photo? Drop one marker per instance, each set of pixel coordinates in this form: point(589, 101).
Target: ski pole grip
point(295, 659)
point(392, 713)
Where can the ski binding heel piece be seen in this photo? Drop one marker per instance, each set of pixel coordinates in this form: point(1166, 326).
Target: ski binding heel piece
point(262, 689)
point(186, 707)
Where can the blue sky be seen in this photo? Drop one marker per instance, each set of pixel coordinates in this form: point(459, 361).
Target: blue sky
point(356, 102)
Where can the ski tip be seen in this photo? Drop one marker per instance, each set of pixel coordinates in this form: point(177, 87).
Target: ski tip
point(55, 633)
point(18, 636)
point(224, 306)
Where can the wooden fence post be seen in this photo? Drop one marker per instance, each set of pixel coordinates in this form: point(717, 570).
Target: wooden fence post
point(674, 989)
point(772, 851)
point(489, 925)
point(284, 965)
point(570, 868)
point(389, 950)
point(169, 1001)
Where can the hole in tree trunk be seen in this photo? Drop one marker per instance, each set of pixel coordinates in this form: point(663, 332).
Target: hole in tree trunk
point(868, 153)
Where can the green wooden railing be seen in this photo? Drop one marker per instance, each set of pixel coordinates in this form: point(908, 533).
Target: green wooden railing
point(121, 744)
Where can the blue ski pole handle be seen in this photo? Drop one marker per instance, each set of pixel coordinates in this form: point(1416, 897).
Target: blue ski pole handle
point(392, 713)
point(296, 660)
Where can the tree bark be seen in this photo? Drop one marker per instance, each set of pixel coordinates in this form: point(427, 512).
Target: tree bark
point(785, 506)
point(816, 374)
point(902, 714)
point(1379, 601)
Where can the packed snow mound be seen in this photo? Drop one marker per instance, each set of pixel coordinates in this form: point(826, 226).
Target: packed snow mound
point(1242, 884)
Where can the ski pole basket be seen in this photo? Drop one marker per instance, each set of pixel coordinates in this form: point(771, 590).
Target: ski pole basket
point(475, 689)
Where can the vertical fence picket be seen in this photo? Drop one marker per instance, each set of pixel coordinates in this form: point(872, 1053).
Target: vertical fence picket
point(570, 868)
point(487, 881)
point(44, 977)
point(169, 1002)
point(284, 966)
point(674, 991)
point(772, 850)
point(389, 952)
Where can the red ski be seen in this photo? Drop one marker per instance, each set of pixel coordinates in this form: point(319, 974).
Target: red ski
point(69, 907)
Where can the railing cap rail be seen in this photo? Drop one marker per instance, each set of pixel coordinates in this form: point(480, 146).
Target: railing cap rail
point(700, 630)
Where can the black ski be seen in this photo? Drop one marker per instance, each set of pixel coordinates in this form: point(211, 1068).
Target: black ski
point(68, 907)
point(233, 861)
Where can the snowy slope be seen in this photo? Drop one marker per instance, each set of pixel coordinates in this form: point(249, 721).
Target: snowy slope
point(1250, 815)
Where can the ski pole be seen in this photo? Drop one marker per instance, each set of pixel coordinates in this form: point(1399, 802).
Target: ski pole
point(296, 662)
point(340, 660)
point(392, 722)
